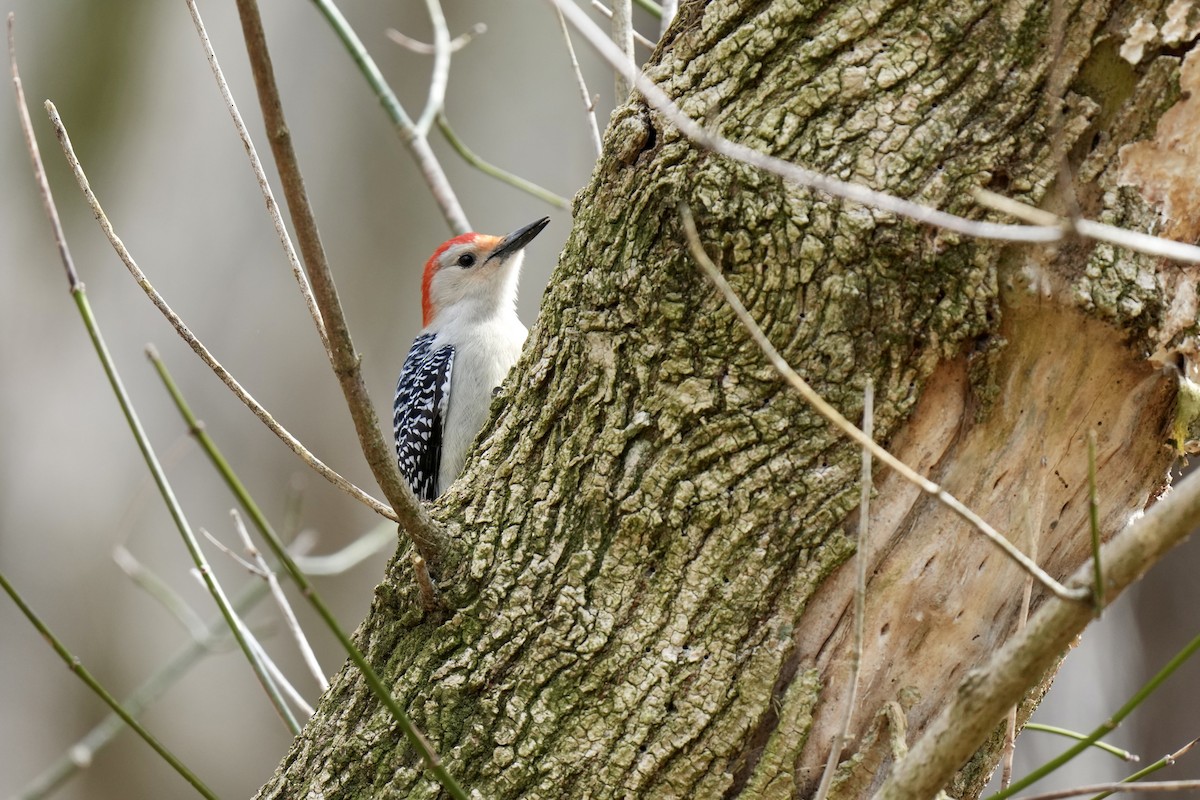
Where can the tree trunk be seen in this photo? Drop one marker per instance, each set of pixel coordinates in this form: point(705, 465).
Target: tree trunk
point(656, 595)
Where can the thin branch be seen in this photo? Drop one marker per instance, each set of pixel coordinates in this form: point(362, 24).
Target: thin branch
point(650, 7)
point(861, 552)
point(622, 36)
point(1112, 788)
point(441, 68)
point(516, 181)
point(277, 683)
point(123, 399)
point(160, 590)
point(698, 135)
point(285, 240)
point(424, 49)
point(588, 106)
point(430, 601)
point(285, 608)
point(1130, 240)
point(845, 426)
point(197, 346)
point(349, 556)
point(1162, 763)
point(637, 37)
point(417, 145)
point(1124, 755)
point(228, 552)
point(1015, 208)
point(277, 675)
point(415, 738)
point(1010, 743)
point(80, 754)
point(986, 692)
point(39, 170)
point(429, 540)
point(76, 666)
point(1010, 735)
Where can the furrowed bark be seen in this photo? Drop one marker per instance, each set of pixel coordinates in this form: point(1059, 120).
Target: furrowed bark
point(655, 603)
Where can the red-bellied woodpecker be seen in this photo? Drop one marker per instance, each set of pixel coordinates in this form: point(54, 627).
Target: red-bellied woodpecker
point(471, 339)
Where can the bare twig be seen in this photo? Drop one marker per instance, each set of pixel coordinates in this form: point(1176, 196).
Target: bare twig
point(39, 171)
point(441, 68)
point(1124, 755)
point(429, 593)
point(77, 668)
point(81, 753)
point(516, 181)
point(974, 709)
point(588, 106)
point(424, 49)
point(1130, 240)
point(349, 556)
point(1162, 763)
point(696, 133)
point(232, 556)
point(285, 608)
point(412, 516)
point(197, 346)
point(845, 426)
point(285, 686)
point(861, 554)
point(279, 684)
point(160, 590)
point(637, 37)
point(1112, 788)
point(1010, 734)
point(622, 35)
point(131, 416)
point(418, 145)
point(260, 176)
point(1015, 208)
point(309, 592)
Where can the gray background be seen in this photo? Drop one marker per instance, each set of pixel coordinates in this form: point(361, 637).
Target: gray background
point(132, 85)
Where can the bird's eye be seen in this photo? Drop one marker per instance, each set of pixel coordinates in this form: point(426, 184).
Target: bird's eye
point(466, 260)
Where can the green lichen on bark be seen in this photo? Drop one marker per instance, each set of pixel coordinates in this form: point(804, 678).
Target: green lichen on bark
point(651, 509)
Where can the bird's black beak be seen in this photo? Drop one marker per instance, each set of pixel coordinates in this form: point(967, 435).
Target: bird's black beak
point(517, 240)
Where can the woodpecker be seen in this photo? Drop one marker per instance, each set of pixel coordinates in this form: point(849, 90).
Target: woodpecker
point(471, 339)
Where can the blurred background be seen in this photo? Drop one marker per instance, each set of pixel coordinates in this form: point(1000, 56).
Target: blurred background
point(137, 96)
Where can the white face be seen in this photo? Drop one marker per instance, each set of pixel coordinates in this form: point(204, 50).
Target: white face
point(475, 275)
point(467, 276)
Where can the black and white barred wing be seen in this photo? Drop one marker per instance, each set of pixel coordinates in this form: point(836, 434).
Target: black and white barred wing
point(420, 412)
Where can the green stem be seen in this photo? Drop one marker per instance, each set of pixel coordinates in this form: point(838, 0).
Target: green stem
point(1124, 755)
point(417, 740)
point(168, 495)
point(366, 65)
point(1107, 726)
point(77, 667)
point(414, 139)
point(1150, 769)
point(516, 181)
point(216, 632)
point(650, 7)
